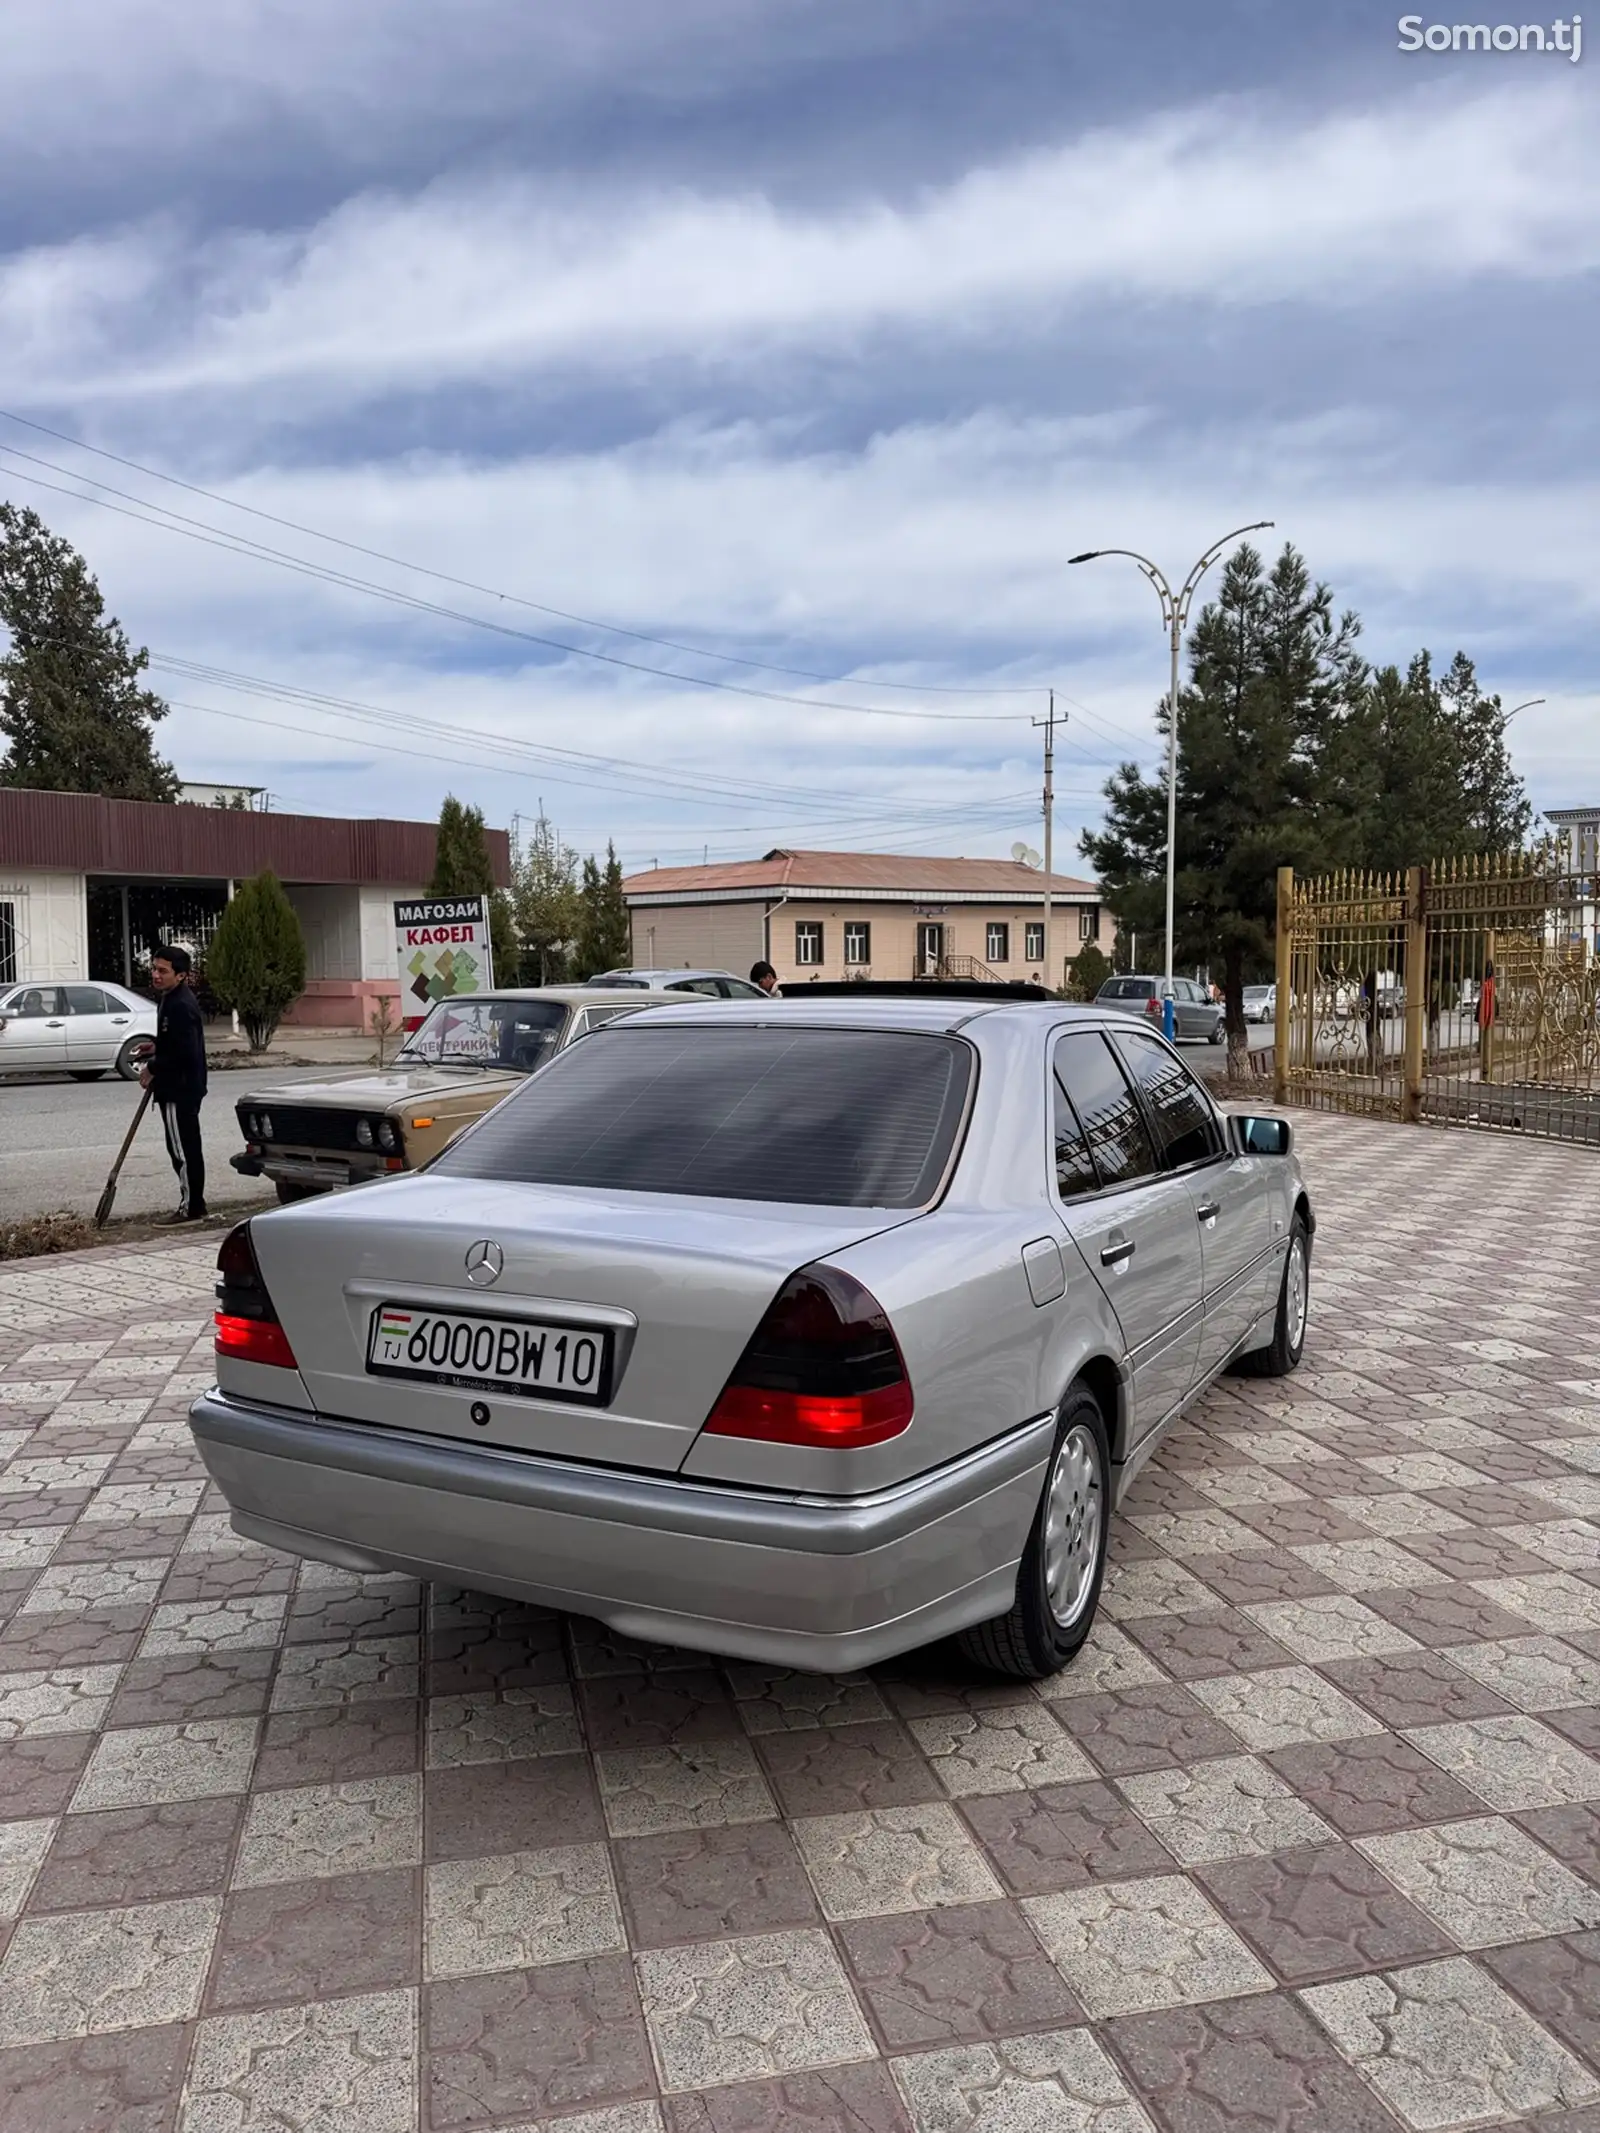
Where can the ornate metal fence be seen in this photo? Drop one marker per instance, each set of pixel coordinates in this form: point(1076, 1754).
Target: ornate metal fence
point(1465, 993)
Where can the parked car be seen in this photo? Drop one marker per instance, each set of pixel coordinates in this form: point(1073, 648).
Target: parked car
point(715, 984)
point(81, 1030)
point(330, 1130)
point(807, 1339)
point(1197, 1018)
point(1260, 1003)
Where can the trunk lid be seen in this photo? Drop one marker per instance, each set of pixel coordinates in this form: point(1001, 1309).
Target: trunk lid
point(678, 1284)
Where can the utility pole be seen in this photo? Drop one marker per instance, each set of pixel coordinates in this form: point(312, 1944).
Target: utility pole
point(1049, 723)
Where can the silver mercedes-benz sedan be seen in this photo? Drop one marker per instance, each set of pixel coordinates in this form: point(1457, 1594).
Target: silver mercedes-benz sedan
point(806, 1332)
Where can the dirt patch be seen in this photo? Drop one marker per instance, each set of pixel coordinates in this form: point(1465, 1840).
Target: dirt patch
point(38, 1236)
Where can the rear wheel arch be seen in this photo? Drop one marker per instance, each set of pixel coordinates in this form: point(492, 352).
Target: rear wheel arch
point(1101, 1377)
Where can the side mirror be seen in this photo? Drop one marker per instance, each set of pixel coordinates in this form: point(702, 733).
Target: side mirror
point(1260, 1136)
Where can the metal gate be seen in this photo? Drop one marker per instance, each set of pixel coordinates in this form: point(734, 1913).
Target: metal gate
point(1465, 993)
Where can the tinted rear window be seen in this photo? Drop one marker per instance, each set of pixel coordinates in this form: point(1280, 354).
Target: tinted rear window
point(829, 1118)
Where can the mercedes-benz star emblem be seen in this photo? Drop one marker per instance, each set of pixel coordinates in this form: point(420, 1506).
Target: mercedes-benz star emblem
point(485, 1262)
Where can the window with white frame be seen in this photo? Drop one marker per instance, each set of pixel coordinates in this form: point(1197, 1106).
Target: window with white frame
point(8, 943)
point(857, 942)
point(1033, 941)
point(808, 942)
point(997, 942)
point(1088, 922)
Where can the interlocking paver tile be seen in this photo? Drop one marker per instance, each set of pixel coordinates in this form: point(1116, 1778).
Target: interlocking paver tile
point(1157, 1587)
point(1416, 1688)
point(511, 1913)
point(1559, 1980)
point(77, 1972)
point(934, 1977)
point(1219, 1640)
point(744, 2010)
point(771, 1699)
point(1555, 1599)
point(330, 1829)
point(892, 1859)
point(314, 1940)
point(1511, 1762)
point(1260, 2062)
point(39, 1773)
point(1062, 1836)
point(139, 1854)
point(692, 1786)
point(1572, 1833)
point(1283, 1706)
point(839, 1768)
point(713, 1884)
point(1009, 1749)
point(501, 1728)
point(1322, 1912)
point(1053, 2083)
point(23, 1846)
point(127, 2079)
point(1222, 1810)
point(656, 1710)
point(1124, 1946)
point(1442, 1615)
point(517, 2045)
point(527, 1805)
point(142, 1766)
point(859, 2098)
point(1567, 1543)
point(313, 2068)
point(1485, 1881)
point(1329, 1626)
point(1147, 1728)
point(1443, 2045)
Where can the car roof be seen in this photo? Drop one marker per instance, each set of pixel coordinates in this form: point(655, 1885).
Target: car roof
point(569, 995)
point(936, 1017)
point(677, 976)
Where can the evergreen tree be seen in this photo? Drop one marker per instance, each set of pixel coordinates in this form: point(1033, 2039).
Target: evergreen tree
point(1429, 763)
point(1262, 741)
point(257, 963)
point(461, 868)
point(548, 905)
point(604, 931)
point(1090, 968)
point(74, 714)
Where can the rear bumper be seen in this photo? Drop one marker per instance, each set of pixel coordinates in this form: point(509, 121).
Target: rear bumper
point(825, 1583)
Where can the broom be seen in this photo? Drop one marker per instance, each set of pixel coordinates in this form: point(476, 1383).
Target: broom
point(103, 1207)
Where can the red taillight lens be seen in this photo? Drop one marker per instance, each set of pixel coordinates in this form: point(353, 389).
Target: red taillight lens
point(247, 1324)
point(823, 1368)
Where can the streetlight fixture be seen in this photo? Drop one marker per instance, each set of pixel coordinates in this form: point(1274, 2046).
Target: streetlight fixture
point(1175, 614)
point(1528, 706)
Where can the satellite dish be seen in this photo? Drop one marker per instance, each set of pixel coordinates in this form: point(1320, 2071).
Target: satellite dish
point(1025, 855)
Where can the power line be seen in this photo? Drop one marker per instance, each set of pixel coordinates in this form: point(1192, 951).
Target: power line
point(261, 551)
point(443, 577)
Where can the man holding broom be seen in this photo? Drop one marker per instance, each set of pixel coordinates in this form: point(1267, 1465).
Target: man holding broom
point(176, 1077)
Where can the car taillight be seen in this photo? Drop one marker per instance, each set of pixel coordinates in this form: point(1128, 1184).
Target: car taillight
point(247, 1324)
point(822, 1368)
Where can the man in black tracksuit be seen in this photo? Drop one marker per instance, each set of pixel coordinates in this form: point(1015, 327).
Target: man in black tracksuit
point(176, 1077)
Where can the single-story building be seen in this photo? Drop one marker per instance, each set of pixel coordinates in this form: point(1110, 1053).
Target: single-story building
point(88, 887)
point(864, 915)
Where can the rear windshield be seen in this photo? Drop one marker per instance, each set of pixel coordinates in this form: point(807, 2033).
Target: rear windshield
point(482, 1030)
point(826, 1118)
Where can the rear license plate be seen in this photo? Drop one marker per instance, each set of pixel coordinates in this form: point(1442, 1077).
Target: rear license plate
point(536, 1358)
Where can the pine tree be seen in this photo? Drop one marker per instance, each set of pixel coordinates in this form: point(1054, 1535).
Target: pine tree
point(1429, 761)
point(1090, 968)
point(548, 905)
point(257, 963)
point(1274, 680)
point(461, 868)
point(74, 715)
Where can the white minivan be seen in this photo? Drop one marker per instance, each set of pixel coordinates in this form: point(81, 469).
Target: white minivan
point(81, 1030)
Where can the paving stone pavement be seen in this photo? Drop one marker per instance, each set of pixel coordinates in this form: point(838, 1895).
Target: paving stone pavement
point(1307, 1839)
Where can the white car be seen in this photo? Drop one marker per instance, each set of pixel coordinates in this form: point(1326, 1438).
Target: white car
point(1260, 1003)
point(81, 1030)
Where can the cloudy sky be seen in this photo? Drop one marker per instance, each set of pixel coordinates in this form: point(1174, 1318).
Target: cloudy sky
point(682, 414)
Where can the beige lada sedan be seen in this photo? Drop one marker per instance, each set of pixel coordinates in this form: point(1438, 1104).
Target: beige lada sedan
point(332, 1130)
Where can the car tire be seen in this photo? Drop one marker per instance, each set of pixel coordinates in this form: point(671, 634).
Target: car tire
point(134, 1054)
point(1282, 1354)
point(1219, 1034)
point(1058, 1581)
point(289, 1193)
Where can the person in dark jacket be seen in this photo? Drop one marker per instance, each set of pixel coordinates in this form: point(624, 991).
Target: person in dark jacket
point(176, 1077)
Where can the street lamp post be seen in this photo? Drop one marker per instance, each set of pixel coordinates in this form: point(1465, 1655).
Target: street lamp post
point(1175, 614)
point(1528, 706)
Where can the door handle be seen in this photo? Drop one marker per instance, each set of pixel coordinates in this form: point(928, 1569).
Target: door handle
point(58, 1022)
point(119, 1021)
point(1115, 1254)
point(1209, 1212)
